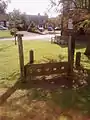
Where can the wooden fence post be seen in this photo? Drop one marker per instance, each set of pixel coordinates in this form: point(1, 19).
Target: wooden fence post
point(15, 39)
point(31, 56)
point(78, 58)
point(21, 57)
point(71, 50)
point(70, 61)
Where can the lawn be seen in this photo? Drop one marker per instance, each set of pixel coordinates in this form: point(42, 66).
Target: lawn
point(39, 104)
point(9, 62)
point(43, 52)
point(5, 34)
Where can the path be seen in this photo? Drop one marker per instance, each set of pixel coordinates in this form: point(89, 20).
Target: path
point(32, 36)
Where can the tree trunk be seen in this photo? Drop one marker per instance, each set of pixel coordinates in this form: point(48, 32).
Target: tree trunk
point(85, 4)
point(89, 5)
point(82, 3)
point(87, 51)
point(61, 25)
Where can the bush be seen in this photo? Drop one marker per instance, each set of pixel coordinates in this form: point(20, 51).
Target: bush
point(13, 31)
point(31, 29)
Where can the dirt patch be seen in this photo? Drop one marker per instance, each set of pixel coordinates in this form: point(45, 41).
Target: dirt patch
point(22, 105)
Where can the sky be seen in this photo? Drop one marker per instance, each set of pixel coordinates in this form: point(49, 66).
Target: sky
point(32, 7)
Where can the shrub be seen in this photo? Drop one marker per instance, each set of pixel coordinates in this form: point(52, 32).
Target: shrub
point(13, 31)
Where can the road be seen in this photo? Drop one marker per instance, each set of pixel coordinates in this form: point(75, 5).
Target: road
point(32, 36)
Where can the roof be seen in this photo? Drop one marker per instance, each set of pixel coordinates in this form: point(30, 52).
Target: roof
point(3, 17)
point(36, 17)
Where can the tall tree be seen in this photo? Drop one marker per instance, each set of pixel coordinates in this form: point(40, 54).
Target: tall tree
point(81, 4)
point(24, 21)
point(3, 6)
point(15, 17)
point(78, 5)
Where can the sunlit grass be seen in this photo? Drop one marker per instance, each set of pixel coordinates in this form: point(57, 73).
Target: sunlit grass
point(5, 34)
point(43, 52)
point(9, 60)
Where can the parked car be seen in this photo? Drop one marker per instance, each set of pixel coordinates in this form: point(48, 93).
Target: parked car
point(3, 28)
point(41, 29)
point(57, 28)
point(50, 29)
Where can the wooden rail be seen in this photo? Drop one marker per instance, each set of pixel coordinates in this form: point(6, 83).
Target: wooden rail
point(45, 69)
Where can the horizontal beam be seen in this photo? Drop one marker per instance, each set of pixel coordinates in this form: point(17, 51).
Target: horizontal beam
point(46, 69)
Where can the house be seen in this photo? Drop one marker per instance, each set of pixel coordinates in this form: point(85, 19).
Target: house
point(4, 20)
point(37, 19)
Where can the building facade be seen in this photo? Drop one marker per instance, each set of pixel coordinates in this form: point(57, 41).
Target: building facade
point(4, 20)
point(37, 19)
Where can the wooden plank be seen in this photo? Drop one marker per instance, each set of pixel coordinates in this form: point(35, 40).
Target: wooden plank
point(46, 69)
point(36, 73)
point(47, 65)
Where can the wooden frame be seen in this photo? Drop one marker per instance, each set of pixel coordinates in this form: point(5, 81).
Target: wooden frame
point(46, 69)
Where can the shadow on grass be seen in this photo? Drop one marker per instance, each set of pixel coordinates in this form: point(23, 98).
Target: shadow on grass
point(65, 99)
point(78, 45)
point(4, 48)
point(71, 92)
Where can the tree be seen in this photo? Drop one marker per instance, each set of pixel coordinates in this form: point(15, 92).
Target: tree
point(24, 21)
point(18, 19)
point(32, 27)
point(79, 4)
point(3, 6)
point(15, 17)
point(81, 12)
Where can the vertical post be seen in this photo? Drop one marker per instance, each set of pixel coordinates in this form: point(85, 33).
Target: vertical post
point(21, 57)
point(70, 60)
point(73, 47)
point(70, 46)
point(78, 57)
point(62, 18)
point(15, 39)
point(31, 56)
point(62, 25)
point(71, 50)
point(31, 59)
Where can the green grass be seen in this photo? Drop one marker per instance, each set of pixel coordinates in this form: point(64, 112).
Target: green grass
point(43, 52)
point(5, 34)
point(9, 61)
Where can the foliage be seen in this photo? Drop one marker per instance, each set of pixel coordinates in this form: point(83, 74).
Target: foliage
point(15, 17)
point(85, 24)
point(25, 21)
point(13, 31)
point(32, 27)
point(3, 6)
point(18, 20)
point(68, 4)
point(79, 11)
point(55, 22)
